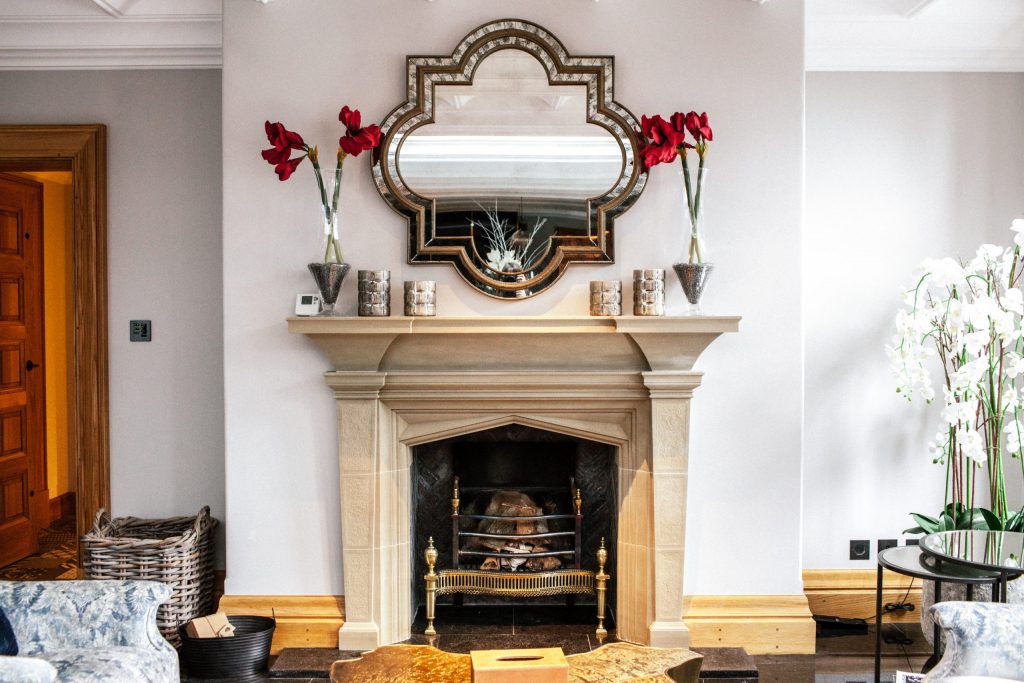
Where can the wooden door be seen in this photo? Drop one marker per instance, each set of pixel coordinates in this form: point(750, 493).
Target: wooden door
point(24, 501)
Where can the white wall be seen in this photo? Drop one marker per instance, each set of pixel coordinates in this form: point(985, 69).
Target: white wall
point(164, 253)
point(300, 62)
point(899, 167)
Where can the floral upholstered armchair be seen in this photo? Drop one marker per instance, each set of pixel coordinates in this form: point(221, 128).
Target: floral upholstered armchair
point(983, 642)
point(87, 631)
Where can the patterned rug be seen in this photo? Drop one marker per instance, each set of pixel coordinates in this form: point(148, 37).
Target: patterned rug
point(57, 557)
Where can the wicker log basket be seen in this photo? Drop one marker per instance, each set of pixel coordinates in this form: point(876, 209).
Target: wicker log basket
point(177, 551)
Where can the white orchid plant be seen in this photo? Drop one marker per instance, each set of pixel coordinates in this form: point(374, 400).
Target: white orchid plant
point(968, 318)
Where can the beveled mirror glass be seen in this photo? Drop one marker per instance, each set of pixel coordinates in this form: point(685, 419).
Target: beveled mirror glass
point(510, 159)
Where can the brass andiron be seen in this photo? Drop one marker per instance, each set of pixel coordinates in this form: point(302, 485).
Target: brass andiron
point(431, 578)
point(602, 588)
point(577, 502)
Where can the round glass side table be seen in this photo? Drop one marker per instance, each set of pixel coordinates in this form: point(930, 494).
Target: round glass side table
point(910, 560)
point(1001, 552)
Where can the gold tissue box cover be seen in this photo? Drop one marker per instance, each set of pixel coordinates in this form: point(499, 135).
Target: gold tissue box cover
point(540, 665)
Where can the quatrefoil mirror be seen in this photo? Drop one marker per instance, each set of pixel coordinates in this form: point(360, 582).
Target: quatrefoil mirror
point(510, 159)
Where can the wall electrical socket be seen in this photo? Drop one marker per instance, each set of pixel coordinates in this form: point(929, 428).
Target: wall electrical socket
point(860, 550)
point(884, 543)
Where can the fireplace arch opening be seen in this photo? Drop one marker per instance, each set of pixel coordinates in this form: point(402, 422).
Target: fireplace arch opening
point(514, 471)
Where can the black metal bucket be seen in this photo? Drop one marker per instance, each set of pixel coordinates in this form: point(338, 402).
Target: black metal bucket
point(243, 654)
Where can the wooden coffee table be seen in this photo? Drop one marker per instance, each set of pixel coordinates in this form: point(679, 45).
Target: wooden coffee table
point(612, 663)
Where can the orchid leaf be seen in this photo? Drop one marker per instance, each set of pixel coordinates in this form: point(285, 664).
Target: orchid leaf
point(991, 521)
point(1015, 522)
point(927, 525)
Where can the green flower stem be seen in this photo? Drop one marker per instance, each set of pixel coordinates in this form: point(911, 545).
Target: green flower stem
point(686, 181)
point(319, 177)
point(334, 206)
point(694, 251)
point(1020, 456)
point(330, 209)
point(700, 187)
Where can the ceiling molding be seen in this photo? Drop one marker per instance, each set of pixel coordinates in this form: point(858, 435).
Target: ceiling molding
point(841, 35)
point(122, 57)
point(110, 34)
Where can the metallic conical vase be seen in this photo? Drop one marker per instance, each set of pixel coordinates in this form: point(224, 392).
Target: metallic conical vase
point(329, 277)
point(693, 277)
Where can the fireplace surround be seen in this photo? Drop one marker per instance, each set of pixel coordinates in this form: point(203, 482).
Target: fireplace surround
point(402, 382)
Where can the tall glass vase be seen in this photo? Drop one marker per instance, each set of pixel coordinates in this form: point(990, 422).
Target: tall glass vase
point(330, 271)
point(694, 268)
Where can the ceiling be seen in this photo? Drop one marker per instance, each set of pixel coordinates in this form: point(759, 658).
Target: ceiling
point(841, 35)
point(915, 35)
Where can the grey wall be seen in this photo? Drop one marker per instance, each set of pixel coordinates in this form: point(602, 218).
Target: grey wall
point(900, 167)
point(164, 264)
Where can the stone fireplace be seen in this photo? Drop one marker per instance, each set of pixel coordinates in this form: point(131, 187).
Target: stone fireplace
point(401, 383)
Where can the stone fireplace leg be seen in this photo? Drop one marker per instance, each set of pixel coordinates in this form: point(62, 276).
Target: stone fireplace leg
point(670, 436)
point(359, 413)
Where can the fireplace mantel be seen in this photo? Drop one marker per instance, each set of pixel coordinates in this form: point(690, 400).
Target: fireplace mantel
point(581, 343)
point(400, 382)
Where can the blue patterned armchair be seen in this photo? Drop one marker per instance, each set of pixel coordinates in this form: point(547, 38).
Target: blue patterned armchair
point(88, 631)
point(983, 642)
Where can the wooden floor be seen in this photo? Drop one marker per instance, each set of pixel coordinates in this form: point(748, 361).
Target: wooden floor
point(57, 557)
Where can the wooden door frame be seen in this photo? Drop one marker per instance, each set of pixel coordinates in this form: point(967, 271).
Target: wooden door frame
point(81, 149)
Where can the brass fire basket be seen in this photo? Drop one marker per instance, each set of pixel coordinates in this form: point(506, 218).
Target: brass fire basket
point(520, 584)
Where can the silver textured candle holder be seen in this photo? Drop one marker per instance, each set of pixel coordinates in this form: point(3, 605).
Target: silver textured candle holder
point(375, 293)
point(605, 297)
point(420, 297)
point(649, 292)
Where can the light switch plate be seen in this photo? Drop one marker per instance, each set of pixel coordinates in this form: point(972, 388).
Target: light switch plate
point(141, 331)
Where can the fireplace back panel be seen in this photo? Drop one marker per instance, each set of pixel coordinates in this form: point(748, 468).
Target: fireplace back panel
point(527, 457)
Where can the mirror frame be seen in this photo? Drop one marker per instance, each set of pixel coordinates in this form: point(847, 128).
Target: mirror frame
point(425, 73)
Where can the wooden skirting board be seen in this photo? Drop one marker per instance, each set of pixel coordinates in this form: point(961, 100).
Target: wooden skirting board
point(850, 593)
point(761, 624)
point(62, 506)
point(302, 620)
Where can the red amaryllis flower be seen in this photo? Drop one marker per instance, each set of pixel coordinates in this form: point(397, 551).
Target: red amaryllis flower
point(663, 140)
point(697, 125)
point(285, 169)
point(282, 138)
point(357, 140)
point(283, 141)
